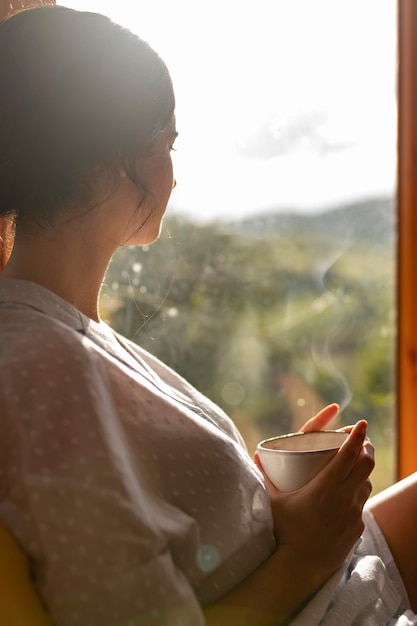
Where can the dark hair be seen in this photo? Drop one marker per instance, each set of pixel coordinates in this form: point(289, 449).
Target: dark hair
point(76, 90)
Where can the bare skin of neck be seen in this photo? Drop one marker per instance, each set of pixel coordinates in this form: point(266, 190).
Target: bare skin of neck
point(65, 265)
point(70, 258)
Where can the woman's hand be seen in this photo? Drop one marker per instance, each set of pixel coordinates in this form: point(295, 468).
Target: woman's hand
point(315, 527)
point(319, 523)
point(323, 417)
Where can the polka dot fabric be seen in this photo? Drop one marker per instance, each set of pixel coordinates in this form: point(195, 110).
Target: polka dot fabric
point(133, 494)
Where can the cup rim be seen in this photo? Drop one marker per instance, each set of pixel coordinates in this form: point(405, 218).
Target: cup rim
point(287, 436)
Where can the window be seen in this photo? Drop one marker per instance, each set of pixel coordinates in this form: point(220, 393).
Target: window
point(272, 288)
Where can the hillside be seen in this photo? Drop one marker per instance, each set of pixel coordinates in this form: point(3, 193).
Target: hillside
point(370, 220)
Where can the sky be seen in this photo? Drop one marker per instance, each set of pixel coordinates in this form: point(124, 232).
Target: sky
point(281, 104)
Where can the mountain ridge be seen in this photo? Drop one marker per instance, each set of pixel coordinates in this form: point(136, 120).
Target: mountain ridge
point(373, 220)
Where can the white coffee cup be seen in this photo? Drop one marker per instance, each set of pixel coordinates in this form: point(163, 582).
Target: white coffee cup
point(290, 461)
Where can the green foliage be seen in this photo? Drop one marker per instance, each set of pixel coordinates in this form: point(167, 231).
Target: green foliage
point(270, 327)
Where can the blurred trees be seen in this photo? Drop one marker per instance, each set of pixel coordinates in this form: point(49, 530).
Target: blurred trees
point(271, 327)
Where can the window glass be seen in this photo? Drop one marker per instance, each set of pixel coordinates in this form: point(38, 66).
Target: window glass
point(272, 286)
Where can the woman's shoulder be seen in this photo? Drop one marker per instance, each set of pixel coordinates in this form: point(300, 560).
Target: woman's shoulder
point(33, 315)
point(33, 345)
point(25, 327)
point(47, 369)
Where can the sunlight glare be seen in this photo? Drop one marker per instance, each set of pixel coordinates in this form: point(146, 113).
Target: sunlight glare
point(277, 102)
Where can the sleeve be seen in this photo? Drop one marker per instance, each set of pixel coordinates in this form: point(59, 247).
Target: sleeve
point(72, 496)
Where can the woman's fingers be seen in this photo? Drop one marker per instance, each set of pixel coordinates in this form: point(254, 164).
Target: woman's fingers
point(323, 417)
point(328, 509)
point(364, 465)
point(354, 460)
point(347, 474)
point(257, 461)
point(364, 494)
point(340, 467)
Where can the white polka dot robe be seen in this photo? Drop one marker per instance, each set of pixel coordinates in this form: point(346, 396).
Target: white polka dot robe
point(133, 495)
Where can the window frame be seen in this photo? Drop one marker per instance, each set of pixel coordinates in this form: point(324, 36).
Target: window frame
point(406, 377)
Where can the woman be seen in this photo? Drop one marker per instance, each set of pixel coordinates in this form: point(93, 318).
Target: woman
point(132, 495)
